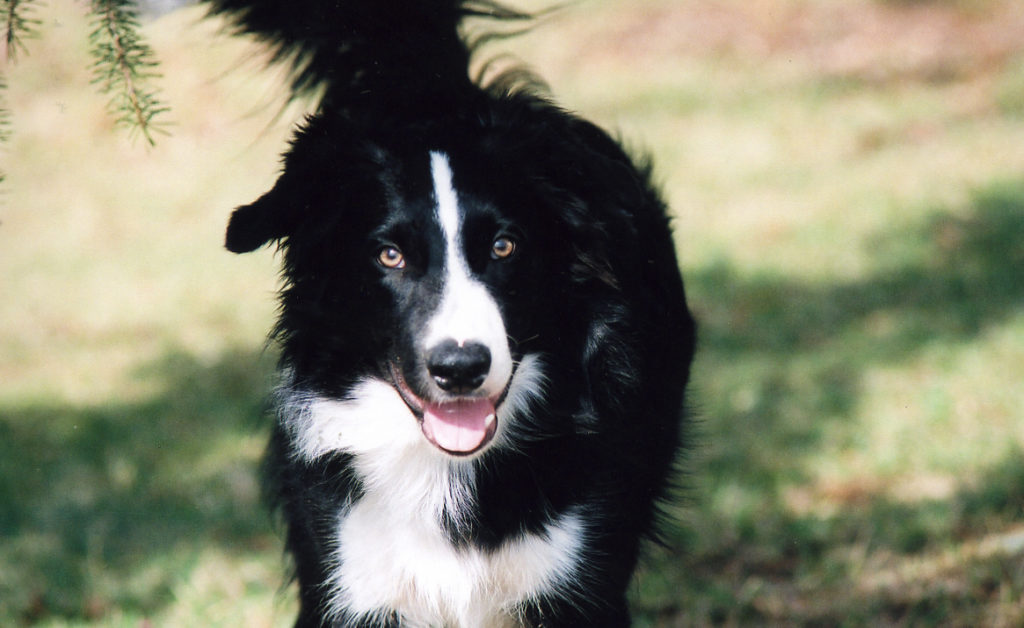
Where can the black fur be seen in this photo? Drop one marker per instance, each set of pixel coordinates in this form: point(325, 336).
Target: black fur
point(595, 287)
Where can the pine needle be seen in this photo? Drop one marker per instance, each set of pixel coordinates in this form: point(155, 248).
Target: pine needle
point(17, 25)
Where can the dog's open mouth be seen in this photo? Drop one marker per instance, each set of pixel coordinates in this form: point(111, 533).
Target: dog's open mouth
point(459, 427)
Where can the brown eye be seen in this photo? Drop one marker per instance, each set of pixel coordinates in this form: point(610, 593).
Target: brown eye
point(503, 247)
point(391, 257)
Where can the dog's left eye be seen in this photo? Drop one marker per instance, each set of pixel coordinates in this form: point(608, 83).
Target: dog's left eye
point(390, 257)
point(503, 247)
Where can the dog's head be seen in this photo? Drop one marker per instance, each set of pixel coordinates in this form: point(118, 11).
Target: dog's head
point(441, 268)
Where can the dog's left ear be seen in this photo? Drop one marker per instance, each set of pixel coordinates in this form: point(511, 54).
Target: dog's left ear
point(271, 217)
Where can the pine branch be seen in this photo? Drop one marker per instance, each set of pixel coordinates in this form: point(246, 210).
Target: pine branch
point(123, 65)
point(17, 25)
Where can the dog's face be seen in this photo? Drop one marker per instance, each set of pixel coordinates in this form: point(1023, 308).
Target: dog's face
point(414, 268)
point(449, 264)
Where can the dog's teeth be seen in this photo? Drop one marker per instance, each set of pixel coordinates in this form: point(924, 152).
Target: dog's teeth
point(489, 420)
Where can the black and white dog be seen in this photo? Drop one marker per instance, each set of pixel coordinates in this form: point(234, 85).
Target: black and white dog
point(484, 335)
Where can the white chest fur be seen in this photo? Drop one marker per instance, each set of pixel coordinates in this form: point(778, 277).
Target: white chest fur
point(391, 552)
point(402, 561)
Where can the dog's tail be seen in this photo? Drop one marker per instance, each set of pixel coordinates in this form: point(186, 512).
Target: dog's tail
point(358, 51)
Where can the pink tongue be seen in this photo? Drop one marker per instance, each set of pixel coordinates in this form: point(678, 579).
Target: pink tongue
point(458, 426)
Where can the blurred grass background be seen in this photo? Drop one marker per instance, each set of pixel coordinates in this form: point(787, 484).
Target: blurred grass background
point(848, 182)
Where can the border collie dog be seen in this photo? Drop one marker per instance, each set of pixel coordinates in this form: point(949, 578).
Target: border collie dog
point(483, 330)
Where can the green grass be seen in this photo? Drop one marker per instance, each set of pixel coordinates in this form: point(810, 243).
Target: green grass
point(849, 219)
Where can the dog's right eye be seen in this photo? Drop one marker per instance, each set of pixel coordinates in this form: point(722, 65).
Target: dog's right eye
point(390, 257)
point(503, 247)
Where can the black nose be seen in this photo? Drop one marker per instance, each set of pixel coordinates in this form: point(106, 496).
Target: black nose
point(458, 369)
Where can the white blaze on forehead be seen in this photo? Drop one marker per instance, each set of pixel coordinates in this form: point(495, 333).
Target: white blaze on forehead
point(468, 312)
point(447, 202)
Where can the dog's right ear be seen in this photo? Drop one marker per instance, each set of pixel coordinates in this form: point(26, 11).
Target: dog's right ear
point(271, 217)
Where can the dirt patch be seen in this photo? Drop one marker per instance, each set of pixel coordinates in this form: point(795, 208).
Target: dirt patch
point(865, 39)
